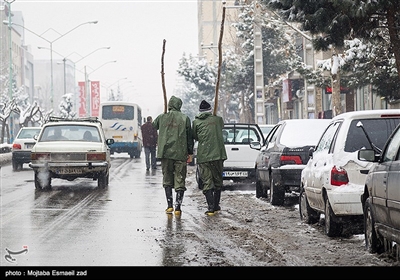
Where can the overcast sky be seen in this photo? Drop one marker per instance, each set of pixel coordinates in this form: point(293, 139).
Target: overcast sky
point(134, 30)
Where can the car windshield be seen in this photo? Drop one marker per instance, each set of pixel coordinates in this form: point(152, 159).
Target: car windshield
point(239, 135)
point(378, 131)
point(70, 133)
point(28, 133)
point(298, 134)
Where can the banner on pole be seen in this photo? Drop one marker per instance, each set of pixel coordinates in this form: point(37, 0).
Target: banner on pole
point(82, 99)
point(95, 98)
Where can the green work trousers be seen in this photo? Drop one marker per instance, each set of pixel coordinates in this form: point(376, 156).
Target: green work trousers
point(211, 175)
point(174, 173)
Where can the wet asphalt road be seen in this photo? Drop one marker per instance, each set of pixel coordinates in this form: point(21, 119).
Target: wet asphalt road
point(77, 224)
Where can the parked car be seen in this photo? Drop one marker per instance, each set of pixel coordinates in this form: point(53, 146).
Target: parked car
point(22, 146)
point(266, 128)
point(381, 196)
point(280, 161)
point(334, 178)
point(240, 162)
point(70, 149)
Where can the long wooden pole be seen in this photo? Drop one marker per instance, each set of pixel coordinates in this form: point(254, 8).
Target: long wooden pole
point(162, 77)
point(221, 33)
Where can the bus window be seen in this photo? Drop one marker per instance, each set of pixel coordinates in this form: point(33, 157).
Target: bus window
point(120, 112)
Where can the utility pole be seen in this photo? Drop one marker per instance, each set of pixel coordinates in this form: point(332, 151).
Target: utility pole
point(259, 98)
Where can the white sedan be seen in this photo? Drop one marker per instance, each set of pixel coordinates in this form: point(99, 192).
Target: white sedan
point(70, 149)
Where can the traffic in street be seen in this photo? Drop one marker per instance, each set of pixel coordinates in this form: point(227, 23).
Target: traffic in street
point(79, 225)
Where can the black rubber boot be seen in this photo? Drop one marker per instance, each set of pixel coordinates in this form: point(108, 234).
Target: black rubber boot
point(178, 202)
point(210, 202)
point(168, 195)
point(217, 198)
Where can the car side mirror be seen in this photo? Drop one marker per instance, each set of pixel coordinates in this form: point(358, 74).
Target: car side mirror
point(35, 136)
point(109, 141)
point(366, 155)
point(255, 145)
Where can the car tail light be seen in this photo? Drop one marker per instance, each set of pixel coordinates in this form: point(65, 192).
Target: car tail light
point(286, 159)
point(16, 146)
point(40, 156)
point(96, 156)
point(135, 136)
point(339, 176)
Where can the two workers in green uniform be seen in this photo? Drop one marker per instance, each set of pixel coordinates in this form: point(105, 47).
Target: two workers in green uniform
point(175, 142)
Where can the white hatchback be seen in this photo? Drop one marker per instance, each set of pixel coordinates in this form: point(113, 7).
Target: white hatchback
point(334, 178)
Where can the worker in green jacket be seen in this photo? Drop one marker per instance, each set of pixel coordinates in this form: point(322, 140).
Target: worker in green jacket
point(174, 145)
point(211, 154)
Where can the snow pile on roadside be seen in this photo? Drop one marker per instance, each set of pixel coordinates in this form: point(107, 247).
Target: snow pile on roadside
point(5, 158)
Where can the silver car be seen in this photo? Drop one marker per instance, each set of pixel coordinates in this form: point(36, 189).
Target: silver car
point(381, 197)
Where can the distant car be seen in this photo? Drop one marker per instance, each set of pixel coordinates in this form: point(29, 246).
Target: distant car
point(70, 149)
point(381, 197)
point(266, 128)
point(286, 151)
point(334, 178)
point(22, 146)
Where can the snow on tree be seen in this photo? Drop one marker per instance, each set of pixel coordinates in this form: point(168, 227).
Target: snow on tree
point(65, 107)
point(236, 96)
point(335, 23)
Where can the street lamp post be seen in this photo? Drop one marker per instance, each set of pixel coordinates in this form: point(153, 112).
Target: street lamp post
point(87, 92)
point(108, 95)
point(10, 76)
point(74, 62)
point(51, 50)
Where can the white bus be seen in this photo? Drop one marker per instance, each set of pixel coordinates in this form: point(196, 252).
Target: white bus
point(122, 122)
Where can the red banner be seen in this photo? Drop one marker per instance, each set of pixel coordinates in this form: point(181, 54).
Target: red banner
point(82, 99)
point(94, 98)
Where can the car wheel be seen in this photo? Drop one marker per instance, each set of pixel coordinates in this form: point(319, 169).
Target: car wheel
point(198, 179)
point(277, 194)
point(332, 228)
point(307, 214)
point(258, 188)
point(14, 165)
point(372, 242)
point(42, 180)
point(102, 181)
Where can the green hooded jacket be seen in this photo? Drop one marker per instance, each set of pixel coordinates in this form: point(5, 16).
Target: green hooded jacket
point(207, 129)
point(175, 139)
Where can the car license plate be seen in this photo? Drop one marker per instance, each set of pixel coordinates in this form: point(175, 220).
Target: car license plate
point(235, 174)
point(117, 136)
point(29, 146)
point(69, 171)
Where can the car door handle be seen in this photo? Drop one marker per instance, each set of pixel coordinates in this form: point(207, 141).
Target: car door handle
point(235, 149)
